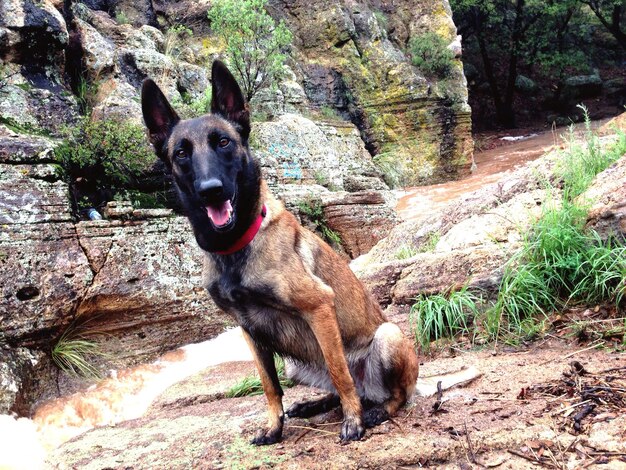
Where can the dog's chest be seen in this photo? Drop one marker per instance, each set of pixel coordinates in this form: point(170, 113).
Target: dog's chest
point(257, 308)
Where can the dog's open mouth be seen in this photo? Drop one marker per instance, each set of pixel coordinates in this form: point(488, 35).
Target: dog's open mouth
point(221, 214)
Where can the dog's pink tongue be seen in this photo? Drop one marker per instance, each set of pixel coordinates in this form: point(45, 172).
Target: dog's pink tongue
point(220, 215)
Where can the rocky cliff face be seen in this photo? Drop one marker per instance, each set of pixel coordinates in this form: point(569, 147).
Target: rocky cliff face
point(352, 57)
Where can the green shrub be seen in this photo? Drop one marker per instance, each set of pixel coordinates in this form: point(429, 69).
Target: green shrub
point(582, 161)
point(188, 107)
point(255, 44)
point(406, 251)
point(429, 53)
point(110, 152)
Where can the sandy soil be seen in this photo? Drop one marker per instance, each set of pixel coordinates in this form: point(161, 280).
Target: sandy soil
point(507, 419)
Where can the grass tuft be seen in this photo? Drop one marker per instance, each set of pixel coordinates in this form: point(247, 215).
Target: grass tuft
point(73, 354)
point(437, 316)
point(251, 385)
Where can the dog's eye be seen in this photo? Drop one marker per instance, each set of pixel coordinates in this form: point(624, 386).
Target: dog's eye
point(181, 154)
point(223, 142)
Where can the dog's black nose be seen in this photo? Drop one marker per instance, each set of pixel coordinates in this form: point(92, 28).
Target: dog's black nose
point(209, 188)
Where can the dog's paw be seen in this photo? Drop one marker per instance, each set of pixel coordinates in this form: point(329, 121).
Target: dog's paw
point(374, 416)
point(306, 409)
point(267, 436)
point(352, 429)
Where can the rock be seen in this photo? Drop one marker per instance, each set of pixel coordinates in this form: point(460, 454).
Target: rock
point(41, 287)
point(135, 12)
point(98, 52)
point(617, 123)
point(360, 219)
point(32, 32)
point(24, 374)
point(294, 149)
point(434, 273)
point(131, 285)
point(505, 223)
point(607, 195)
point(35, 102)
point(525, 85)
point(146, 286)
point(609, 436)
point(580, 87)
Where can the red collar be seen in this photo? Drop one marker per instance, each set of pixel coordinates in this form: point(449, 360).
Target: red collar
point(247, 237)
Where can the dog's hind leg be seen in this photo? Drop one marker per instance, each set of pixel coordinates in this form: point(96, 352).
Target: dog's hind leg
point(306, 409)
point(264, 360)
point(393, 357)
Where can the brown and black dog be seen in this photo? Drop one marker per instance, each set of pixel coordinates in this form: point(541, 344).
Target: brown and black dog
point(290, 292)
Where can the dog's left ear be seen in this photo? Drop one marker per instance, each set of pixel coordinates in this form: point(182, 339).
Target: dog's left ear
point(227, 98)
point(158, 114)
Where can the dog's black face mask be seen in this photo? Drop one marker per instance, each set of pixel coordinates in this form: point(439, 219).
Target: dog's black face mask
point(217, 179)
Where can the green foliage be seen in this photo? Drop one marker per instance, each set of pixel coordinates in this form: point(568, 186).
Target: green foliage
point(314, 211)
point(391, 167)
point(329, 112)
point(73, 354)
point(581, 162)
point(109, 152)
point(430, 54)
point(175, 37)
point(251, 385)
point(406, 251)
point(141, 200)
point(438, 316)
point(255, 44)
point(122, 18)
point(85, 94)
point(188, 107)
point(383, 22)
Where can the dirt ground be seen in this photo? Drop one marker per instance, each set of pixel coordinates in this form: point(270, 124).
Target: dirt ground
point(520, 413)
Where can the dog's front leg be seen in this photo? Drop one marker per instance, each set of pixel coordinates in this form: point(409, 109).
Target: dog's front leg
point(264, 361)
point(323, 323)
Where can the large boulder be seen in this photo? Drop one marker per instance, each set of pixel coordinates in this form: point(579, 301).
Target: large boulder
point(32, 32)
point(296, 150)
point(607, 197)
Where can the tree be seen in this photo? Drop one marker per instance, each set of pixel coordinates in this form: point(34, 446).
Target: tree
point(611, 14)
point(255, 43)
point(548, 38)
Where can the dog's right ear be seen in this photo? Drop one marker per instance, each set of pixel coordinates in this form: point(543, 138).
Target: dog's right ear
point(158, 115)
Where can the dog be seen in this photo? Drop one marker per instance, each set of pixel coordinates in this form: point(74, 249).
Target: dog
point(289, 291)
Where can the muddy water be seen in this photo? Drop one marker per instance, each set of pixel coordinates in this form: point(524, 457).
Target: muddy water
point(124, 395)
point(489, 167)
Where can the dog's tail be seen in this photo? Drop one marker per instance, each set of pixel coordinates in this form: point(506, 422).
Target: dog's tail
point(427, 386)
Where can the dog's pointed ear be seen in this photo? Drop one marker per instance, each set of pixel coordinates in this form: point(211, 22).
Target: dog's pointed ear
point(227, 98)
point(158, 114)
